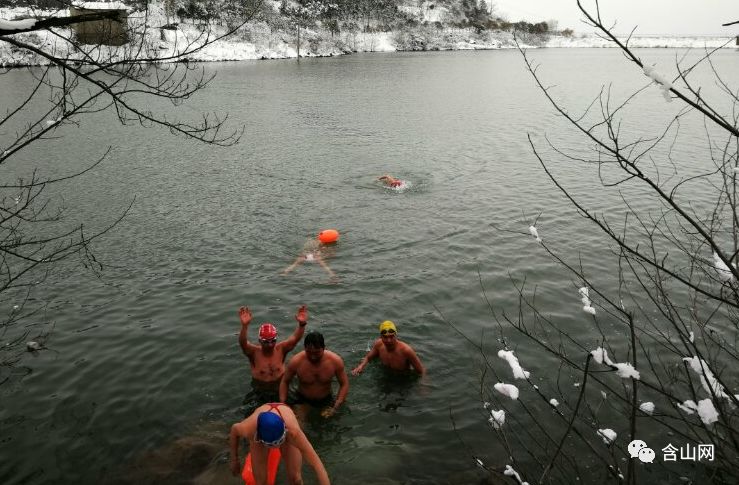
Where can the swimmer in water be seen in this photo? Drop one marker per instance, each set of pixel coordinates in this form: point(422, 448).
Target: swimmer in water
point(391, 181)
point(313, 250)
point(393, 353)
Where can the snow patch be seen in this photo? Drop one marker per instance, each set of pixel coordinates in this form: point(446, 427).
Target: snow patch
point(518, 371)
point(608, 435)
point(497, 419)
point(647, 407)
point(507, 390)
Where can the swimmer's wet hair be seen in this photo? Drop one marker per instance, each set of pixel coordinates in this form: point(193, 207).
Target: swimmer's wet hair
point(314, 339)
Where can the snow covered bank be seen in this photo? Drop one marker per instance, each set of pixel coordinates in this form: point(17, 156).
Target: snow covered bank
point(258, 40)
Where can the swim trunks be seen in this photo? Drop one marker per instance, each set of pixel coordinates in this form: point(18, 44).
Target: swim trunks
point(258, 395)
point(298, 398)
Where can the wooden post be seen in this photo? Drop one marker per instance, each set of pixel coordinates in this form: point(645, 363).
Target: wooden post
point(298, 42)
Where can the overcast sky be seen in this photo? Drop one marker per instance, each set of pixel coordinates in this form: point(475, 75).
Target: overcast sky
point(678, 17)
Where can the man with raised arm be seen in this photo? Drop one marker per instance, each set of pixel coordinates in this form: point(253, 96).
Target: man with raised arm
point(393, 353)
point(272, 426)
point(268, 358)
point(316, 368)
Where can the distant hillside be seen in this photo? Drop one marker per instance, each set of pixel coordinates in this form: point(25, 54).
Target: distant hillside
point(361, 15)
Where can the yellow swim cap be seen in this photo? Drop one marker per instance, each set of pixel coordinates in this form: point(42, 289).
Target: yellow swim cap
point(388, 325)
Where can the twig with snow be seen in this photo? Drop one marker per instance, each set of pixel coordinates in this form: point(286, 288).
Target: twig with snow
point(507, 390)
point(623, 369)
point(708, 380)
point(534, 232)
point(509, 471)
point(518, 371)
point(585, 299)
point(607, 435)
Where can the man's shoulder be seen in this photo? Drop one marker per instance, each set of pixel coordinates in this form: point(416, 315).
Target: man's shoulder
point(405, 347)
point(334, 356)
point(297, 358)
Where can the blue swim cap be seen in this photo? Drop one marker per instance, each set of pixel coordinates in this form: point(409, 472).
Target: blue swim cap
point(270, 429)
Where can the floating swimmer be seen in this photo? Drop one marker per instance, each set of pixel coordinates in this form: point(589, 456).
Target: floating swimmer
point(316, 250)
point(392, 182)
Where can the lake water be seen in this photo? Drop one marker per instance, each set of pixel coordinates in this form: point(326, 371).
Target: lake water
point(143, 366)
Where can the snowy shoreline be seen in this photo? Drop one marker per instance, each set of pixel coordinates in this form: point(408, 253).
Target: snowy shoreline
point(258, 40)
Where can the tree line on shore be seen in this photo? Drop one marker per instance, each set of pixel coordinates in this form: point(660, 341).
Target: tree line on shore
point(355, 15)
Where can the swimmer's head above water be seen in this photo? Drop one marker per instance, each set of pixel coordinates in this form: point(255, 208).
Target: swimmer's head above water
point(271, 430)
point(388, 327)
point(388, 334)
point(267, 335)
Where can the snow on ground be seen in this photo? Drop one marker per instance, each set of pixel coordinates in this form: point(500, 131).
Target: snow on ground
point(426, 12)
point(592, 40)
point(258, 40)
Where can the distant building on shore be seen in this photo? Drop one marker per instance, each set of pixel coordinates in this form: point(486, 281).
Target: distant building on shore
point(101, 32)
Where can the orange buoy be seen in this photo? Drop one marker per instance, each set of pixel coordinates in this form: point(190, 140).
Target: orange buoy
point(328, 236)
point(273, 461)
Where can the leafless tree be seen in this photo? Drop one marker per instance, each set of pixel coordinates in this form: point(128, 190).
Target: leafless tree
point(663, 364)
point(72, 79)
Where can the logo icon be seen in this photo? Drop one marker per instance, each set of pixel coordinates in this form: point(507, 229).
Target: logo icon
point(646, 455)
point(639, 449)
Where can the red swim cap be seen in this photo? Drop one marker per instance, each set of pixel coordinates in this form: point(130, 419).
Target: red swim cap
point(267, 331)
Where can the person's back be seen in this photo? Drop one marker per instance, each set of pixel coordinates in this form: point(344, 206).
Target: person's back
point(270, 426)
point(391, 181)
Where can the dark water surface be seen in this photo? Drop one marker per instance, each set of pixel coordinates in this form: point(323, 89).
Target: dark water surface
point(144, 367)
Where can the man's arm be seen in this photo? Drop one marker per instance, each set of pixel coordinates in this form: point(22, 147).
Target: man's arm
point(302, 317)
point(343, 383)
point(414, 360)
point(374, 352)
point(246, 347)
point(310, 455)
point(287, 377)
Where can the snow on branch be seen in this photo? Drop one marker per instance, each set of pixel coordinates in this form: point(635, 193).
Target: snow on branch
point(706, 411)
point(708, 380)
point(624, 369)
point(587, 304)
point(534, 232)
point(497, 418)
point(723, 271)
point(507, 390)
point(518, 371)
point(509, 471)
point(607, 435)
point(647, 407)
